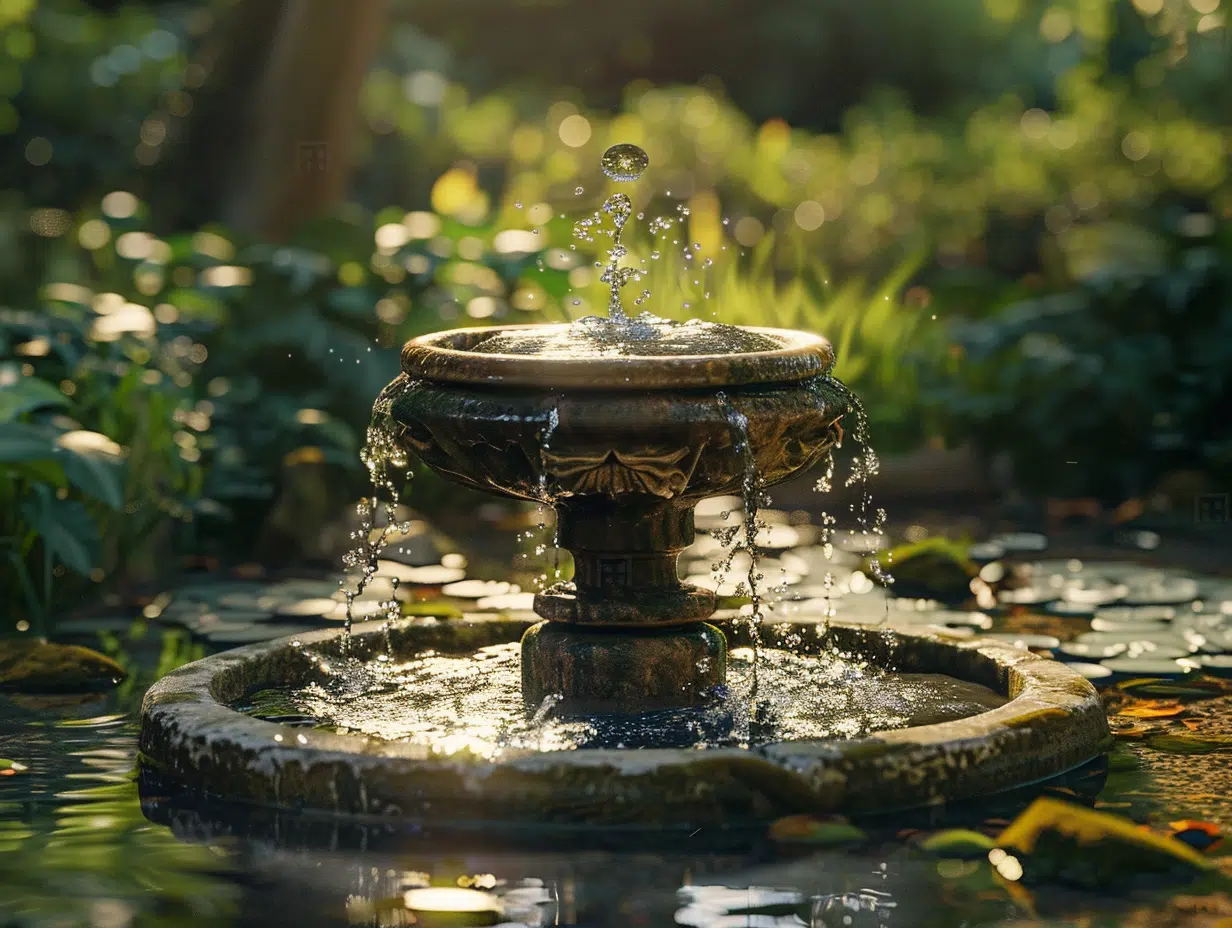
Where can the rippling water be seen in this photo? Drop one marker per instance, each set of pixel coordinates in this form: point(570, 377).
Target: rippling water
point(474, 702)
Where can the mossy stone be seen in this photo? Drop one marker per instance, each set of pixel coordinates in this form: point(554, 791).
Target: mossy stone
point(34, 666)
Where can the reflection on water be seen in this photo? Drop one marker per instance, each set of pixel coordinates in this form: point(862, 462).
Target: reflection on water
point(75, 848)
point(763, 907)
point(474, 703)
point(79, 846)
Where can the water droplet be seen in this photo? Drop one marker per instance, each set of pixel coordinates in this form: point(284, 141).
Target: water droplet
point(624, 162)
point(578, 191)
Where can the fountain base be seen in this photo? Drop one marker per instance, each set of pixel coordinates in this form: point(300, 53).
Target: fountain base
point(600, 670)
point(1053, 722)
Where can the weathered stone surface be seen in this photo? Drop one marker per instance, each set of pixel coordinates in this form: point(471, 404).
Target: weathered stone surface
point(613, 670)
point(622, 447)
point(449, 357)
point(1053, 722)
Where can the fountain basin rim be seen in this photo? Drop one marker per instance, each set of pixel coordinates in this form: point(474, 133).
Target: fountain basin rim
point(445, 357)
point(1053, 722)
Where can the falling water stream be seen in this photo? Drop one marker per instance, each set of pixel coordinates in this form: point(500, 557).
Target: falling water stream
point(384, 458)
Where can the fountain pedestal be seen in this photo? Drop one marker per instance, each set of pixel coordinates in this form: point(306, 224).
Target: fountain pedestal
point(613, 670)
point(626, 635)
point(624, 564)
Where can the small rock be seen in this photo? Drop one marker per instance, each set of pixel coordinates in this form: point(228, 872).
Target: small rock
point(935, 568)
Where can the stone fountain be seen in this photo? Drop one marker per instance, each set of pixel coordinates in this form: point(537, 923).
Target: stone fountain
point(624, 449)
point(621, 426)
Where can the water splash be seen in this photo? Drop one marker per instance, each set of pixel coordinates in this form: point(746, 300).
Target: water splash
point(864, 466)
point(383, 457)
point(453, 702)
point(624, 162)
point(752, 495)
point(546, 497)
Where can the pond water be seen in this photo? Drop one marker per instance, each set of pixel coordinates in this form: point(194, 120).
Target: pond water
point(474, 701)
point(644, 336)
point(83, 841)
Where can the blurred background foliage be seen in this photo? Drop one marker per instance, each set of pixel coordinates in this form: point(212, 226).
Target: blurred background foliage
point(218, 220)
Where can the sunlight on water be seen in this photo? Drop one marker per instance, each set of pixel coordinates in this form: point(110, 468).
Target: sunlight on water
point(644, 335)
point(473, 703)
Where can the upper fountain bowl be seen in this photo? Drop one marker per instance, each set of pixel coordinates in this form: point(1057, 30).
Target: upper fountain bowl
point(632, 421)
point(622, 438)
point(466, 356)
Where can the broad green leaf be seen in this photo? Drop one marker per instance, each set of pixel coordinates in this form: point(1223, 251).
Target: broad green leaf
point(27, 395)
point(65, 527)
point(97, 476)
point(20, 443)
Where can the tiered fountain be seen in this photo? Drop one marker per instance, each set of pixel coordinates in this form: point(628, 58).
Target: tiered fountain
point(622, 426)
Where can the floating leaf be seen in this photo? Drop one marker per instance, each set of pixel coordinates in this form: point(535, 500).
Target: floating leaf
point(1180, 742)
point(1204, 836)
point(1079, 845)
point(958, 842)
point(805, 829)
point(1152, 709)
point(1204, 688)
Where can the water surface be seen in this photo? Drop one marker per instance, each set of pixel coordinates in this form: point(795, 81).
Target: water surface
point(473, 702)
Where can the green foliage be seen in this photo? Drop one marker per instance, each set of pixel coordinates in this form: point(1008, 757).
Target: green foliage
point(88, 465)
point(1125, 373)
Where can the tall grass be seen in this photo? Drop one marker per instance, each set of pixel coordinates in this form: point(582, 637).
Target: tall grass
point(880, 339)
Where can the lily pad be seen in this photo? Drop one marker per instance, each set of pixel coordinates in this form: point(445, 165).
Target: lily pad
point(1020, 541)
point(1148, 629)
point(1162, 668)
point(1092, 672)
point(1027, 641)
point(1189, 742)
point(1090, 650)
point(1219, 665)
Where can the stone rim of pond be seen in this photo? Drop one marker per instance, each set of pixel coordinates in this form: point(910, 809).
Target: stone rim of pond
point(1053, 722)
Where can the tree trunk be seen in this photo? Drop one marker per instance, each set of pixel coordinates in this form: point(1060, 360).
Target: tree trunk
point(271, 138)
